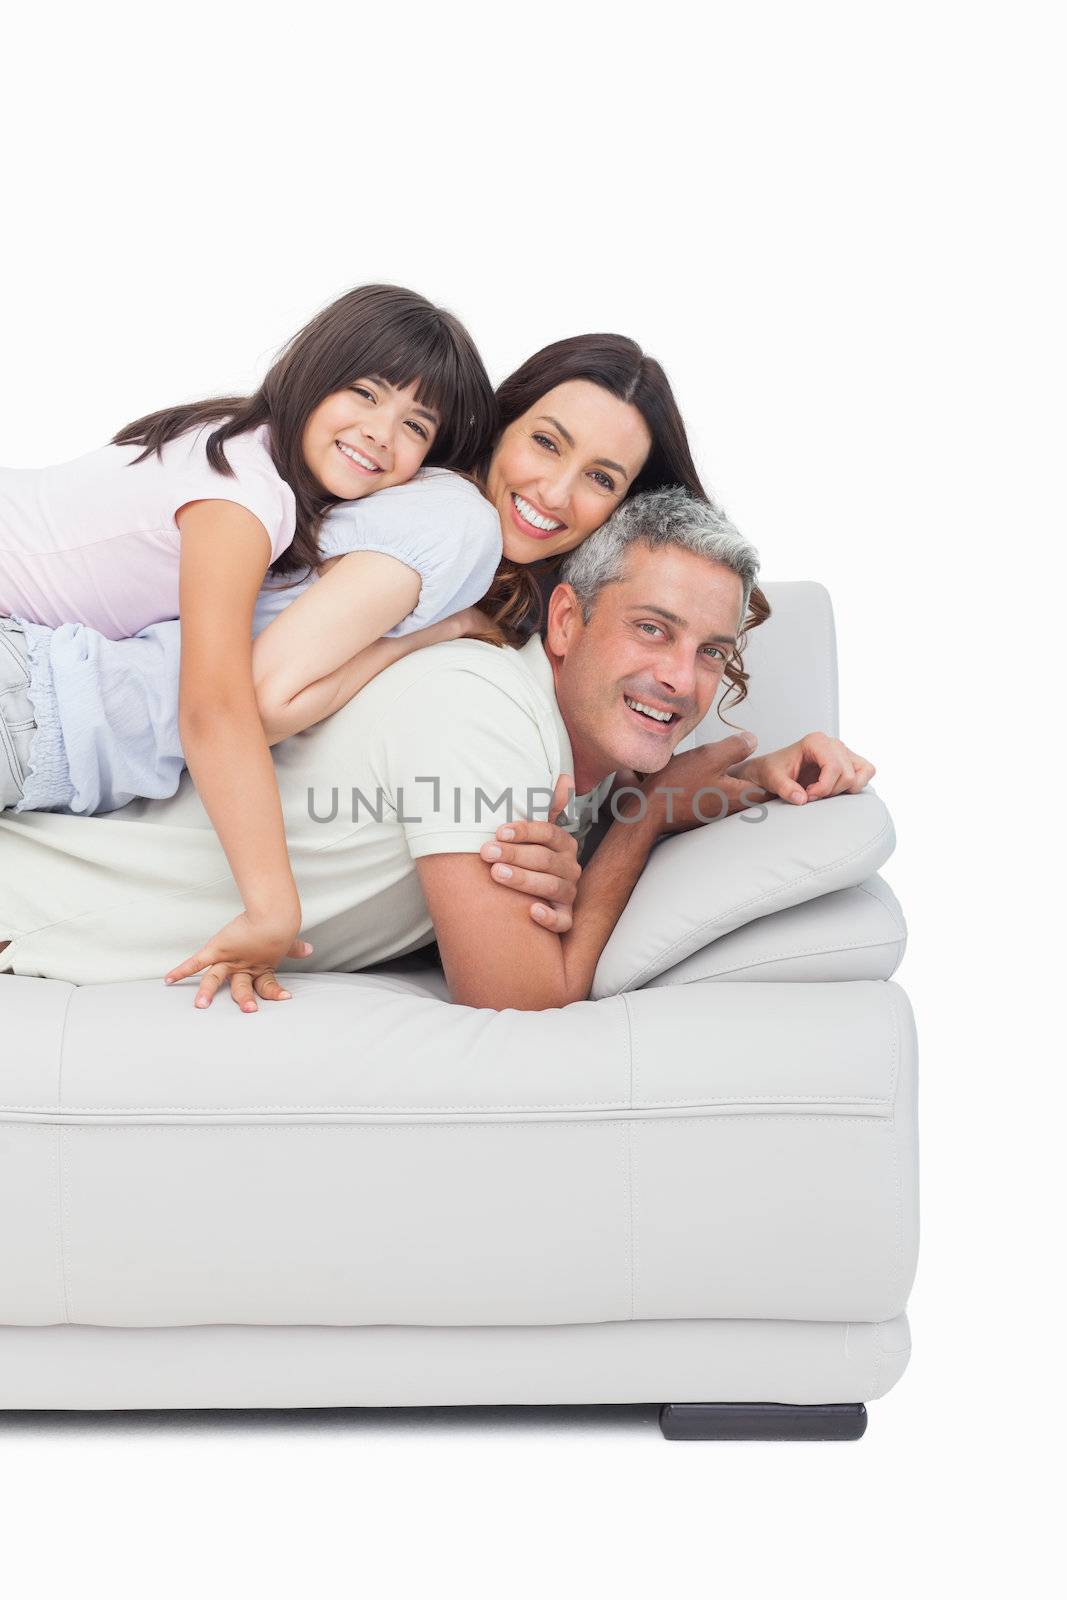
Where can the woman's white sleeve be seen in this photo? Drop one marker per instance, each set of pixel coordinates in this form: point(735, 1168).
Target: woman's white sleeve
point(439, 524)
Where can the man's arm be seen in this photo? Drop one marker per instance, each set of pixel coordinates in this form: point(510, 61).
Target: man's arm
point(495, 956)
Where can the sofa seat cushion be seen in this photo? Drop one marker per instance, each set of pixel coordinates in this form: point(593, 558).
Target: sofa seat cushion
point(361, 1155)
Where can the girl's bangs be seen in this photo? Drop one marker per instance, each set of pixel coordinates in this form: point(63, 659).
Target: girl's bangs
point(427, 358)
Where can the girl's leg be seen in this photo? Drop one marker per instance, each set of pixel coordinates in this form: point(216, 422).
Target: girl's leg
point(17, 725)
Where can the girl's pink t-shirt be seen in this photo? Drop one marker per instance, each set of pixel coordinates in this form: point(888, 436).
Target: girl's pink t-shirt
point(95, 540)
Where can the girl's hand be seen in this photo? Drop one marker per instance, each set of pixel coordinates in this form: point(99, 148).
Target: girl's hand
point(540, 859)
point(246, 952)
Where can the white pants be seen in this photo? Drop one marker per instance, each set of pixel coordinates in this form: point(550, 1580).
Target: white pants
point(17, 723)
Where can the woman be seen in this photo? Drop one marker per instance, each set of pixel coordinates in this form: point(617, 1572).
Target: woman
point(584, 424)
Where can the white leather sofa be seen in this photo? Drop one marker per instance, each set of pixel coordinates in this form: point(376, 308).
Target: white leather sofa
point(697, 1188)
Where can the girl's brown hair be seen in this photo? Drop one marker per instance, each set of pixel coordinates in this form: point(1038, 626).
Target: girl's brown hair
point(374, 331)
point(516, 600)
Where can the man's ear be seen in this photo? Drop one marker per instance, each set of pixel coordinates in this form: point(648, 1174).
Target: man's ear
point(564, 620)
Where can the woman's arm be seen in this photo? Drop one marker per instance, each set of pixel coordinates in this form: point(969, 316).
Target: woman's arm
point(321, 699)
point(310, 646)
point(224, 555)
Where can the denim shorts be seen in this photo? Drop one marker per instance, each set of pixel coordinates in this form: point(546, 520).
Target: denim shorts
point(17, 725)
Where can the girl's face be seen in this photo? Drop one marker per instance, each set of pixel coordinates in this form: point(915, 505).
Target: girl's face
point(366, 437)
point(560, 470)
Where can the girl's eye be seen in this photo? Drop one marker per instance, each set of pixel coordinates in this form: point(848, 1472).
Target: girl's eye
point(549, 444)
point(419, 429)
point(366, 393)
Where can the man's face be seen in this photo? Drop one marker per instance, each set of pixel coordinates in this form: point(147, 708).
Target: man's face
point(645, 669)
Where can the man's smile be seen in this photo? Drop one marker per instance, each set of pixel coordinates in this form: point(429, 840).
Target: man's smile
point(664, 717)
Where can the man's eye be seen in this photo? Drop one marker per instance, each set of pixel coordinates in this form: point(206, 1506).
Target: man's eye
point(549, 444)
point(649, 625)
point(716, 652)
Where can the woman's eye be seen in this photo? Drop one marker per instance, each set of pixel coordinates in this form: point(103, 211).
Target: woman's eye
point(542, 438)
point(604, 481)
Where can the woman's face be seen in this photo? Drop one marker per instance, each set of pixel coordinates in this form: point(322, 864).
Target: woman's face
point(561, 468)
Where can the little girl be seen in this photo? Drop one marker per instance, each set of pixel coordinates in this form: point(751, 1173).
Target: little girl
point(184, 513)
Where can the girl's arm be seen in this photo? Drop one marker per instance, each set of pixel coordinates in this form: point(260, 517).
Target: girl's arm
point(225, 551)
point(302, 663)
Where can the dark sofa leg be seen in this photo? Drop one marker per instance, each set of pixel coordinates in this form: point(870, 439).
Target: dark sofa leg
point(761, 1420)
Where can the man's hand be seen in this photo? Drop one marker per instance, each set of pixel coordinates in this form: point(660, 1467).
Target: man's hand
point(814, 768)
point(540, 859)
point(698, 786)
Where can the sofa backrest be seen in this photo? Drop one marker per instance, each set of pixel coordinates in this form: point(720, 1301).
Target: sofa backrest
point(792, 662)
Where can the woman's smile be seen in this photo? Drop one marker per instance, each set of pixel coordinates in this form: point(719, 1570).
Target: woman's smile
point(531, 520)
point(560, 468)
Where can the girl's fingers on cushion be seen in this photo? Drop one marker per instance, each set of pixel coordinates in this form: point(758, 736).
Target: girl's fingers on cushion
point(268, 988)
point(241, 991)
point(186, 969)
point(209, 987)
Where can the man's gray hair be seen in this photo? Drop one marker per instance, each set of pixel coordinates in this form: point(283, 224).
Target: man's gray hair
point(659, 518)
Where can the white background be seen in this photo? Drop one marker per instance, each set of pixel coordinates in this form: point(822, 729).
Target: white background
point(840, 227)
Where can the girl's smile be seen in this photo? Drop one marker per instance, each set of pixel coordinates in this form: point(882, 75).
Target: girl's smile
point(369, 434)
point(359, 460)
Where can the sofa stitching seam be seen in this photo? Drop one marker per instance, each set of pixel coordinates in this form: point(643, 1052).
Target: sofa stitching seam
point(796, 955)
point(62, 1170)
point(394, 1127)
point(630, 1175)
point(472, 1110)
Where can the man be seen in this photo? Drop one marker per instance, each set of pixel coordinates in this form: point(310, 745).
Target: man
point(392, 804)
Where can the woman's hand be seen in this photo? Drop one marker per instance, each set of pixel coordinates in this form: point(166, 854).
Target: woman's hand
point(245, 952)
point(462, 624)
point(540, 859)
point(814, 768)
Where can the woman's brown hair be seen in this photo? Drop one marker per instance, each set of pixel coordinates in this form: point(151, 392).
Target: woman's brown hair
point(374, 331)
point(516, 600)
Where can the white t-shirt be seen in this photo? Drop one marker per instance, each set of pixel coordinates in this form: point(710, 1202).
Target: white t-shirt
point(95, 541)
point(427, 759)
